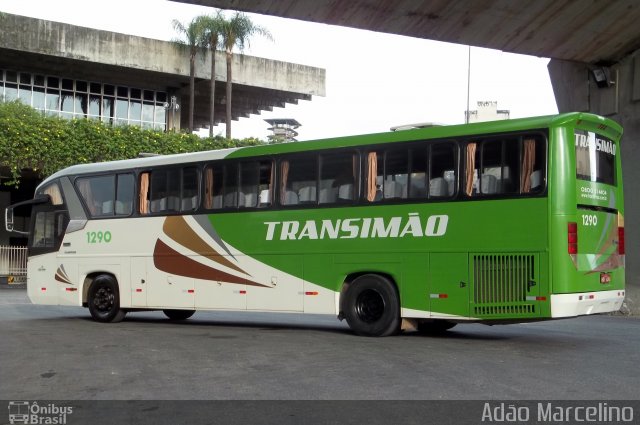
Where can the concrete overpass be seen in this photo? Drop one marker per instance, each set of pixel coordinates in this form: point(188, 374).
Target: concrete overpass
point(579, 36)
point(52, 48)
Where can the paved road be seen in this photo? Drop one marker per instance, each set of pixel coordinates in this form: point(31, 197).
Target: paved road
point(60, 353)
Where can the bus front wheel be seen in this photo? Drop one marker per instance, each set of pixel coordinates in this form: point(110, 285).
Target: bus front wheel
point(372, 306)
point(104, 300)
point(178, 314)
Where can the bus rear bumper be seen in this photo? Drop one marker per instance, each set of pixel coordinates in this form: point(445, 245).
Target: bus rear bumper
point(578, 304)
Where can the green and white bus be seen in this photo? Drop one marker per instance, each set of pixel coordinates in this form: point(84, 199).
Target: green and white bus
point(497, 222)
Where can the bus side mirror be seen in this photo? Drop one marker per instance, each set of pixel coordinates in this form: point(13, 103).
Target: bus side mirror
point(9, 224)
point(8, 219)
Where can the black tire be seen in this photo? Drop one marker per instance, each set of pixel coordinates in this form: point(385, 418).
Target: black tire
point(372, 306)
point(178, 314)
point(104, 300)
point(433, 327)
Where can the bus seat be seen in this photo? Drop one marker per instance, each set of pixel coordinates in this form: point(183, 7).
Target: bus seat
point(158, 205)
point(503, 175)
point(536, 179)
point(450, 178)
point(307, 194)
point(123, 207)
point(345, 192)
point(438, 187)
point(418, 188)
point(489, 184)
point(290, 198)
point(217, 201)
point(173, 203)
point(107, 207)
point(230, 199)
point(250, 200)
point(392, 189)
point(190, 203)
point(328, 195)
point(265, 197)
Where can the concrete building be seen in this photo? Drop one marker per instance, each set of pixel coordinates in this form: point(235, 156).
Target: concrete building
point(68, 71)
point(487, 111)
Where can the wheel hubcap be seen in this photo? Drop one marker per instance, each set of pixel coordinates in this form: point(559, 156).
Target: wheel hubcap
point(370, 306)
point(104, 300)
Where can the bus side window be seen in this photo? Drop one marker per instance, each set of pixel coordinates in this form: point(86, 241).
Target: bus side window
point(396, 164)
point(213, 184)
point(265, 183)
point(504, 166)
point(189, 194)
point(532, 179)
point(298, 180)
point(442, 174)
point(98, 194)
point(338, 182)
point(418, 173)
point(230, 187)
point(124, 194)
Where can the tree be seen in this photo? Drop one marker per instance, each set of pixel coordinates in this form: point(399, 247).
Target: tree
point(237, 32)
point(190, 39)
point(213, 26)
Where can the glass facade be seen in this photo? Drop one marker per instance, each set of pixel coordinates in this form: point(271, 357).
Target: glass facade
point(68, 98)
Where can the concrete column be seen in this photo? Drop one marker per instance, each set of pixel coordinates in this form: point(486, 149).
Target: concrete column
point(576, 90)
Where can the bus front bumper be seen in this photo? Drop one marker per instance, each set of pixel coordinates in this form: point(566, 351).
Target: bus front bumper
point(578, 304)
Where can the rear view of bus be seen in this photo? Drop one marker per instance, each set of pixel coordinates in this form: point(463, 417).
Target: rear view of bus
point(587, 213)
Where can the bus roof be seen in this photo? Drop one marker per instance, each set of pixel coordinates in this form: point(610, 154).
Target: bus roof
point(458, 130)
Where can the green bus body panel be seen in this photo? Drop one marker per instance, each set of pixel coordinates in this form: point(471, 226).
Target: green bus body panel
point(421, 265)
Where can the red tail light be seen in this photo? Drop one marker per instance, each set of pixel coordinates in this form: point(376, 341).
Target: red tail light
point(572, 238)
point(621, 240)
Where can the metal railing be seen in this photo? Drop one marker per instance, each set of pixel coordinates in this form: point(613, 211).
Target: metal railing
point(13, 264)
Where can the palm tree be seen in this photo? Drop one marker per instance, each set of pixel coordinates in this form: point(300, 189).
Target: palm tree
point(191, 39)
point(236, 33)
point(212, 26)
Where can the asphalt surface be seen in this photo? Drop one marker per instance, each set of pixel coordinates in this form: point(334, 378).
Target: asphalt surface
point(50, 352)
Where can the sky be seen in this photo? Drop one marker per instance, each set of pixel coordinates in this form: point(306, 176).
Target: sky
point(373, 80)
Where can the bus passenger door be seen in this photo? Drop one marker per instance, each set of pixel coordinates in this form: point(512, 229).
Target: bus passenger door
point(449, 285)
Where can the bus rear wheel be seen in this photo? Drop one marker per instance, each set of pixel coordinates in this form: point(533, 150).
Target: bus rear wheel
point(178, 314)
point(104, 300)
point(372, 306)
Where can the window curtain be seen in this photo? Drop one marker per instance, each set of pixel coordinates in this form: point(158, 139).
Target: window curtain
point(372, 175)
point(54, 193)
point(208, 188)
point(144, 191)
point(284, 175)
point(528, 160)
point(470, 167)
point(84, 186)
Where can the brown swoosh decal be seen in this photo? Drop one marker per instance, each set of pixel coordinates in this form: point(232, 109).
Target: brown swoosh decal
point(177, 229)
point(61, 275)
point(171, 261)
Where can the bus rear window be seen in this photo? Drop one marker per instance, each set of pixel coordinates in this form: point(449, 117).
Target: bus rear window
point(595, 158)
